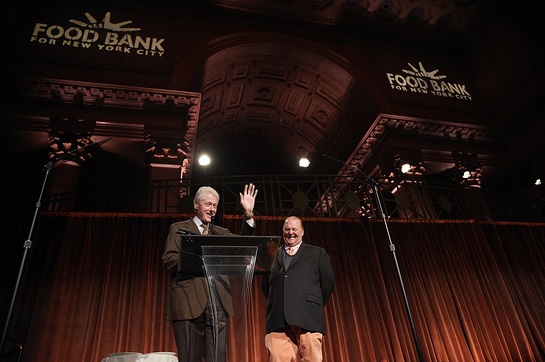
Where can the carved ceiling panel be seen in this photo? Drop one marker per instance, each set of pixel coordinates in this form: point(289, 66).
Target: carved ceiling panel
point(297, 104)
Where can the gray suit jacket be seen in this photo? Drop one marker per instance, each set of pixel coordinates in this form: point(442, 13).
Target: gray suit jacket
point(297, 296)
point(189, 296)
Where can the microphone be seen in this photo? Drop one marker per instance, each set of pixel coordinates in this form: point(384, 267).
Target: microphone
point(185, 232)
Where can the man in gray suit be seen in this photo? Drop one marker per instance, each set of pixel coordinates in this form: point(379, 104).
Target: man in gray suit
point(189, 306)
point(297, 289)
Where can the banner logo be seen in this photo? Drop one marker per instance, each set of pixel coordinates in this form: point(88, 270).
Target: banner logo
point(103, 35)
point(419, 80)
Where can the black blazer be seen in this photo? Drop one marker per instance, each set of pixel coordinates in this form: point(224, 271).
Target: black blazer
point(297, 296)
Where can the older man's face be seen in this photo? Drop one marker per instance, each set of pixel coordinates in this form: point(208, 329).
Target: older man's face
point(206, 209)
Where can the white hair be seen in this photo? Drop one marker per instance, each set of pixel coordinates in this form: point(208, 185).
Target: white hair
point(203, 191)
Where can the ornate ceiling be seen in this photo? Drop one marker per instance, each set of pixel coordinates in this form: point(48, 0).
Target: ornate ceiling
point(270, 102)
point(261, 101)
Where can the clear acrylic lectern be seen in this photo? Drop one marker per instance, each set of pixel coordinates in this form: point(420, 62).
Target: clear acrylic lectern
point(220, 257)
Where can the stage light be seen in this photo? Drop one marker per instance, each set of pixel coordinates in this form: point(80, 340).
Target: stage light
point(204, 160)
point(304, 162)
point(538, 182)
point(469, 167)
point(406, 167)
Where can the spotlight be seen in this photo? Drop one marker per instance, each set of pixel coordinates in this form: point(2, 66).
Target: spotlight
point(538, 182)
point(466, 174)
point(304, 162)
point(406, 167)
point(204, 160)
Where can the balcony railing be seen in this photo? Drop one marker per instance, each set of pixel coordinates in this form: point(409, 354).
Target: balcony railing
point(312, 196)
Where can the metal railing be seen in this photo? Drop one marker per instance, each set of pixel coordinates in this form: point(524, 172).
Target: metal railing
point(312, 196)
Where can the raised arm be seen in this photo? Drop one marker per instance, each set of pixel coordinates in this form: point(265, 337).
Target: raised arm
point(247, 200)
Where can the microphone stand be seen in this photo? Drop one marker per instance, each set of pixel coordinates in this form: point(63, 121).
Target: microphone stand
point(27, 245)
point(375, 185)
point(28, 242)
point(393, 250)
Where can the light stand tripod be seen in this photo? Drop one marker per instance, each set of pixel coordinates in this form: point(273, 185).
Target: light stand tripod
point(374, 183)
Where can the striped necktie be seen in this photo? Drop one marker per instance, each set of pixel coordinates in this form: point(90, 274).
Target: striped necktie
point(204, 229)
point(290, 250)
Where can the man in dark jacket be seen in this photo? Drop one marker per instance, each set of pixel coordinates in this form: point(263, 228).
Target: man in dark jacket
point(297, 289)
point(189, 306)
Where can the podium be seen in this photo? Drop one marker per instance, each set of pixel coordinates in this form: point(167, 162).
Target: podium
point(233, 254)
point(220, 257)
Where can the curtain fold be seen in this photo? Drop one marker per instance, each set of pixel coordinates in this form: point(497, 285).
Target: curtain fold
point(95, 285)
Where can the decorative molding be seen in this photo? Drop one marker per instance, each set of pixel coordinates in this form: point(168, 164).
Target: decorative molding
point(109, 95)
point(416, 127)
point(157, 126)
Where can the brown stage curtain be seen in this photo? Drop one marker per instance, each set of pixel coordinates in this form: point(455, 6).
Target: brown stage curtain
point(476, 291)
